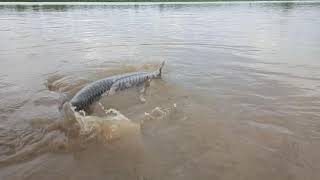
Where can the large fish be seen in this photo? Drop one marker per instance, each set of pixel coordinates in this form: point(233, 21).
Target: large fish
point(92, 93)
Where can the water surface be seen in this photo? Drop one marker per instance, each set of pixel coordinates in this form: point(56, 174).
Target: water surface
point(245, 77)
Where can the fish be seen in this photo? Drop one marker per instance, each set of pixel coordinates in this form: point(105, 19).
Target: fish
point(92, 93)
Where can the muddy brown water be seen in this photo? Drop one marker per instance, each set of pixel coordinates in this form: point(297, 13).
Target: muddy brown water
point(245, 78)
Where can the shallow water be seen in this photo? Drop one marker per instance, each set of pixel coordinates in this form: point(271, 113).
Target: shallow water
point(245, 78)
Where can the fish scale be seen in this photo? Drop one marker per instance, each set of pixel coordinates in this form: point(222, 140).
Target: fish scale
point(94, 91)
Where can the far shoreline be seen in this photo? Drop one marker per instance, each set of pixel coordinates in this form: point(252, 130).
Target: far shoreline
point(145, 2)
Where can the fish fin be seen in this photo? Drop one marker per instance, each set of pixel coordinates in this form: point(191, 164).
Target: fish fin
point(68, 113)
point(160, 69)
point(63, 98)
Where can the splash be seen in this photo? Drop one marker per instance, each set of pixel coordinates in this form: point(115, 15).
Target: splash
point(76, 132)
point(85, 129)
point(111, 127)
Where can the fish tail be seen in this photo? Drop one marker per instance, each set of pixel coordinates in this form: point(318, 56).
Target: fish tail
point(160, 69)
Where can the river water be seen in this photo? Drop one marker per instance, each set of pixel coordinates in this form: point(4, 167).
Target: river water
point(245, 78)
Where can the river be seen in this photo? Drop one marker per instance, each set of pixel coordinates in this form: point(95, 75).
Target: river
point(245, 78)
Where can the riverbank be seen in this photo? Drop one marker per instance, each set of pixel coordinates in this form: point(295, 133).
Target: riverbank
point(142, 2)
point(195, 1)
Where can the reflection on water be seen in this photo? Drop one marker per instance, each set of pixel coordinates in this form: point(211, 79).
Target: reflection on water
point(245, 78)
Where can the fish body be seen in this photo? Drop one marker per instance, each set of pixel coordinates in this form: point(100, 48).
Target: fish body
point(94, 91)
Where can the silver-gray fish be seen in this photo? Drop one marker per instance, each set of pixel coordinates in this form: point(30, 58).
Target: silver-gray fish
point(94, 91)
